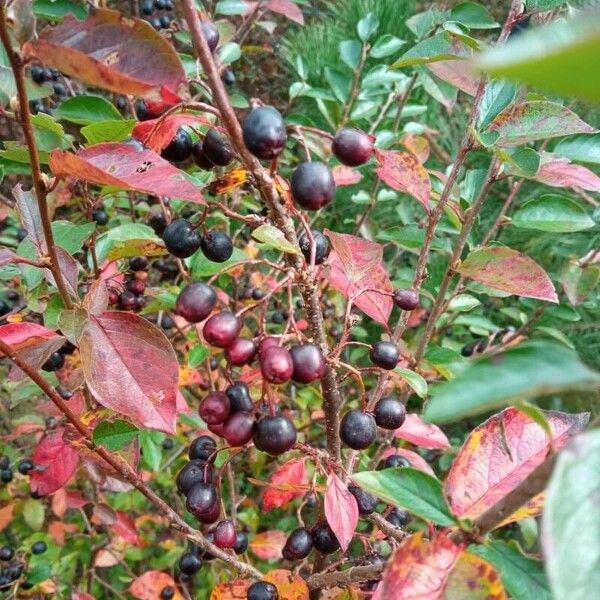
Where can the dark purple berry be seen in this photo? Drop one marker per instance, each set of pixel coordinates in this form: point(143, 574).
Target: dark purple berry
point(25, 466)
point(276, 365)
point(298, 545)
point(262, 590)
point(385, 355)
point(202, 499)
point(204, 448)
point(216, 246)
point(308, 362)
point(39, 548)
point(195, 471)
point(398, 517)
point(322, 247)
point(365, 501)
point(215, 408)
point(196, 302)
point(406, 298)
point(138, 263)
point(324, 539)
point(312, 185)
point(239, 397)
point(180, 238)
point(180, 147)
point(211, 34)
point(389, 413)
point(352, 147)
point(189, 563)
point(274, 435)
point(241, 542)
point(221, 329)
point(238, 429)
point(216, 149)
point(241, 352)
point(54, 362)
point(264, 132)
point(395, 461)
point(358, 429)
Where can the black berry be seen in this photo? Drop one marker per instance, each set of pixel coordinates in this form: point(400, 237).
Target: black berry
point(39, 548)
point(365, 501)
point(167, 592)
point(238, 429)
point(200, 158)
point(6, 553)
point(54, 362)
point(202, 501)
point(180, 238)
point(216, 246)
point(274, 435)
point(389, 413)
point(195, 471)
point(406, 298)
point(312, 185)
point(324, 539)
point(358, 429)
point(189, 563)
point(211, 34)
point(204, 448)
point(216, 149)
point(196, 302)
point(38, 74)
point(179, 148)
point(138, 263)
point(385, 355)
point(239, 397)
point(25, 466)
point(398, 517)
point(352, 147)
point(298, 545)
point(262, 590)
point(395, 461)
point(100, 217)
point(308, 363)
point(241, 542)
point(264, 132)
point(128, 300)
point(221, 329)
point(322, 247)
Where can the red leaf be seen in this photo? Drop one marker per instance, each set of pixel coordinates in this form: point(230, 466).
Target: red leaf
point(288, 482)
point(149, 586)
point(55, 462)
point(341, 510)
point(8, 257)
point(499, 454)
point(113, 52)
point(456, 73)
point(125, 527)
point(356, 264)
point(343, 175)
point(124, 166)
point(472, 578)
point(131, 367)
point(506, 269)
point(81, 596)
point(158, 133)
point(403, 172)
point(76, 499)
point(418, 432)
point(416, 460)
point(560, 172)
point(418, 569)
point(418, 145)
point(268, 544)
point(286, 8)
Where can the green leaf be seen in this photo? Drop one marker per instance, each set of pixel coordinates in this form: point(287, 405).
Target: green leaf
point(579, 148)
point(202, 267)
point(151, 450)
point(229, 53)
point(340, 83)
point(529, 371)
point(423, 23)
point(411, 489)
point(579, 282)
point(386, 45)
point(442, 46)
point(367, 27)
point(107, 131)
point(39, 573)
point(350, 52)
point(473, 15)
point(55, 10)
point(523, 577)
point(274, 238)
point(115, 435)
point(198, 354)
point(571, 528)
point(561, 57)
point(543, 5)
point(554, 213)
point(129, 239)
point(70, 236)
point(498, 94)
point(416, 382)
point(84, 110)
point(524, 162)
point(33, 513)
point(8, 87)
point(231, 7)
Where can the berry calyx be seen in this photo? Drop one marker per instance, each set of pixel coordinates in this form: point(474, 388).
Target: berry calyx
point(275, 435)
point(264, 132)
point(216, 149)
point(204, 448)
point(195, 471)
point(385, 355)
point(352, 147)
point(324, 539)
point(196, 302)
point(215, 408)
point(389, 413)
point(221, 329)
point(179, 148)
point(298, 545)
point(406, 298)
point(225, 534)
point(308, 362)
point(322, 247)
point(238, 429)
point(312, 185)
point(239, 397)
point(366, 502)
point(276, 364)
point(262, 590)
point(216, 246)
point(358, 429)
point(180, 238)
point(241, 352)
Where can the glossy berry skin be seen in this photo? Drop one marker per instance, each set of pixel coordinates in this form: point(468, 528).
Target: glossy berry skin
point(268, 342)
point(216, 149)
point(406, 298)
point(398, 517)
point(39, 548)
point(395, 461)
point(179, 148)
point(324, 539)
point(322, 247)
point(201, 499)
point(138, 263)
point(215, 408)
point(312, 185)
point(136, 287)
point(308, 362)
point(216, 246)
point(195, 471)
point(264, 132)
point(276, 364)
point(180, 238)
point(385, 355)
point(38, 74)
point(203, 448)
point(358, 429)
point(54, 362)
point(228, 77)
point(4, 462)
point(366, 502)
point(389, 413)
point(241, 352)
point(298, 545)
point(225, 534)
point(6, 553)
point(6, 475)
point(127, 300)
point(352, 147)
point(275, 435)
point(221, 329)
point(211, 34)
point(262, 590)
point(238, 429)
point(241, 542)
point(200, 158)
point(189, 563)
point(167, 592)
point(239, 397)
point(25, 466)
point(196, 302)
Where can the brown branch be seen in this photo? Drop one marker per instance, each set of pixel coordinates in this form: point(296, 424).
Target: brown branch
point(281, 218)
point(18, 68)
point(125, 470)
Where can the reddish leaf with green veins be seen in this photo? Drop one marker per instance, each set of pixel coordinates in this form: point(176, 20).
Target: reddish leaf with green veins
point(113, 52)
point(472, 578)
point(341, 510)
point(131, 367)
point(356, 264)
point(418, 569)
point(418, 432)
point(506, 269)
point(343, 175)
point(561, 172)
point(124, 166)
point(499, 454)
point(55, 462)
